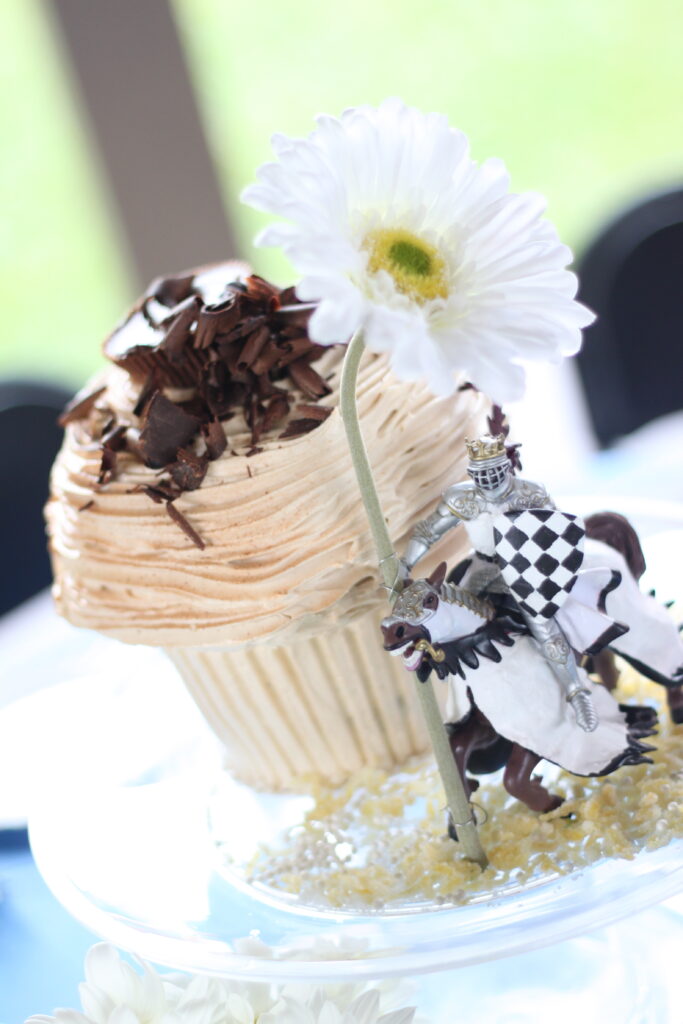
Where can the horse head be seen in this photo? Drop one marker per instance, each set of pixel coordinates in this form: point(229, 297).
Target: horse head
point(428, 612)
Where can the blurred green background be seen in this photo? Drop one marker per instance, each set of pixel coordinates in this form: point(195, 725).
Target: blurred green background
point(582, 100)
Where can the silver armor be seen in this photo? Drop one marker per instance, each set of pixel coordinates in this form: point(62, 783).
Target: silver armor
point(465, 503)
point(494, 490)
point(559, 654)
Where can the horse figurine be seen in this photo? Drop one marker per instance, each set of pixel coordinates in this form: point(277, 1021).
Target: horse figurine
point(653, 644)
point(505, 704)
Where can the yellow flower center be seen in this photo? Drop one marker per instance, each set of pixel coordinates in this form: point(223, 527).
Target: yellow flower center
point(416, 266)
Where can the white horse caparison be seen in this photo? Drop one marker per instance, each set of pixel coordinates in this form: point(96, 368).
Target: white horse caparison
point(501, 687)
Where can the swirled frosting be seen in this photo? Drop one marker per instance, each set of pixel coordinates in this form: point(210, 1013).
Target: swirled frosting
point(288, 550)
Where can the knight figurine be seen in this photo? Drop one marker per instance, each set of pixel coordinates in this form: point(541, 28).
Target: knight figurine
point(491, 508)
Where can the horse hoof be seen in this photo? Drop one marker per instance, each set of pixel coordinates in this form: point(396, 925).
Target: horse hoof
point(553, 804)
point(676, 715)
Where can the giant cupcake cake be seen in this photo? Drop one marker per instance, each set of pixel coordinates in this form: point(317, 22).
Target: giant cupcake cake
point(204, 501)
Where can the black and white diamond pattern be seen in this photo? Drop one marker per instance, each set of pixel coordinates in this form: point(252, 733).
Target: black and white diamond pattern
point(539, 552)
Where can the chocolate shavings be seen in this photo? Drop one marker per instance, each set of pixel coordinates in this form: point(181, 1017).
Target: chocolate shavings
point(299, 427)
point(189, 531)
point(215, 439)
point(305, 377)
point(178, 333)
point(189, 470)
point(79, 406)
point(112, 444)
point(229, 345)
point(314, 412)
point(166, 429)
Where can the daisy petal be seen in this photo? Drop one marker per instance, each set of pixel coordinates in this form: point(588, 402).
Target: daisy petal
point(336, 321)
point(364, 1009)
point(124, 1015)
point(503, 383)
point(404, 1016)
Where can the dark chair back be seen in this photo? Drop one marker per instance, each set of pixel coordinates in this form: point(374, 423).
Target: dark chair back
point(29, 441)
point(631, 363)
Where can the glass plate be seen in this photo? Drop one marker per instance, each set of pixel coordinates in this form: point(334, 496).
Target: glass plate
point(123, 840)
point(120, 832)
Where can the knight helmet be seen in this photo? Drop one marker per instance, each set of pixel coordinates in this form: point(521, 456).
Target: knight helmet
point(489, 465)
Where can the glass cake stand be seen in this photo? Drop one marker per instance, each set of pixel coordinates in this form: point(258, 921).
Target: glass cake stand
point(121, 834)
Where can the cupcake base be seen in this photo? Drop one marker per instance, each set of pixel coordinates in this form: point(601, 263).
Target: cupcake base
point(320, 708)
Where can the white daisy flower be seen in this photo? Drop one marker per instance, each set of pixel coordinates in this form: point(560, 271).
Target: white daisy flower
point(321, 1010)
point(115, 993)
point(393, 992)
point(398, 233)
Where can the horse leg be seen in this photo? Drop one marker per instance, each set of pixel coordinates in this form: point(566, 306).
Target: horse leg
point(466, 736)
point(462, 737)
point(520, 784)
point(674, 698)
point(605, 666)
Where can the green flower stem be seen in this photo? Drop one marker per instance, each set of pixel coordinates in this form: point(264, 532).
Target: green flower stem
point(458, 804)
point(385, 551)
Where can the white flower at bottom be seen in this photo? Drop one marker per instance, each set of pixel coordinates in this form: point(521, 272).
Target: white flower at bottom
point(115, 993)
point(318, 1009)
point(397, 232)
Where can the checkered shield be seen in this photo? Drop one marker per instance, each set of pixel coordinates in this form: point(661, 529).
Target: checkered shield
point(539, 552)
